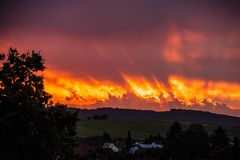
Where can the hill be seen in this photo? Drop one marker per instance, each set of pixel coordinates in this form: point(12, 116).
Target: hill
point(172, 115)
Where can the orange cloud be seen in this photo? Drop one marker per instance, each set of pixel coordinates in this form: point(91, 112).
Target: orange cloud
point(177, 40)
point(191, 91)
point(178, 91)
point(171, 51)
point(145, 89)
point(76, 91)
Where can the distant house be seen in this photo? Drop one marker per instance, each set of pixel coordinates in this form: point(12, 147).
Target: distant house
point(110, 146)
point(141, 146)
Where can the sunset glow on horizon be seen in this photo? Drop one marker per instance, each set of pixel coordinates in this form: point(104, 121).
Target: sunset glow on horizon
point(86, 93)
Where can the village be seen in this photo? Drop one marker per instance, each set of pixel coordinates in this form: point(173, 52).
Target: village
point(103, 146)
point(177, 143)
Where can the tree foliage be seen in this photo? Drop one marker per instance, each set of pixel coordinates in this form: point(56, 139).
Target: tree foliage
point(20, 83)
point(154, 138)
point(196, 142)
point(106, 137)
point(30, 126)
point(174, 141)
point(129, 140)
point(173, 131)
point(219, 144)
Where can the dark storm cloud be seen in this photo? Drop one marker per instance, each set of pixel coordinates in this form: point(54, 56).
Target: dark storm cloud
point(111, 17)
point(137, 27)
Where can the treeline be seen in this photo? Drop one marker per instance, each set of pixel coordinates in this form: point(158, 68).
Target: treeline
point(194, 143)
point(98, 117)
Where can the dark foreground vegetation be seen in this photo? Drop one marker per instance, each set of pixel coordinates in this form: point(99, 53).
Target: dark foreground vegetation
point(33, 128)
point(179, 144)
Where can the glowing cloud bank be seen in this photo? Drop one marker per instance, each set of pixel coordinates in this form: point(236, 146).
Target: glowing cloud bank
point(151, 94)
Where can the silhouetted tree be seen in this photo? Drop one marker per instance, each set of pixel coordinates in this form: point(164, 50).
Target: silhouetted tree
point(156, 138)
point(175, 140)
point(63, 121)
point(100, 117)
point(129, 140)
point(196, 142)
point(21, 86)
point(30, 127)
point(219, 144)
point(173, 131)
point(106, 137)
point(149, 139)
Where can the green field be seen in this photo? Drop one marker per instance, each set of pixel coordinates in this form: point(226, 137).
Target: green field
point(139, 129)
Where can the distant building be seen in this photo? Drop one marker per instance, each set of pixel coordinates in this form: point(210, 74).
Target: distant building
point(110, 146)
point(141, 146)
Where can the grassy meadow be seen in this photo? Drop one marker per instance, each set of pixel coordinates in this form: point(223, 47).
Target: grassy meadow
point(139, 129)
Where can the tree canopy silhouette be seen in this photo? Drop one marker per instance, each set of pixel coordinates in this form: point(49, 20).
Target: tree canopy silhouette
point(220, 145)
point(196, 142)
point(129, 140)
point(174, 141)
point(30, 126)
point(20, 82)
point(173, 131)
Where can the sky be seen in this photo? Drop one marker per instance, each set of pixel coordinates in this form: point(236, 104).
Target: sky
point(138, 54)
